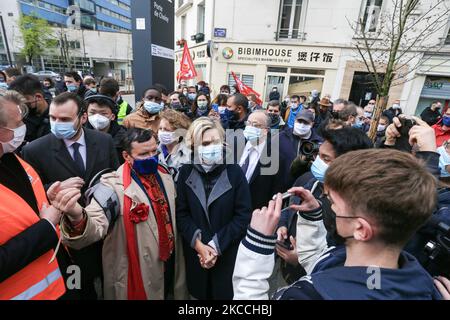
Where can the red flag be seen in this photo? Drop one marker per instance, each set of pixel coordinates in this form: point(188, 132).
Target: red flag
point(246, 90)
point(187, 69)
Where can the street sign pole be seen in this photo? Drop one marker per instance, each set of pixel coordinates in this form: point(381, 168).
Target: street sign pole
point(153, 44)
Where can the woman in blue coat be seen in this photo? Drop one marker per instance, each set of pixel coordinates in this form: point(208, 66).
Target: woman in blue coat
point(213, 211)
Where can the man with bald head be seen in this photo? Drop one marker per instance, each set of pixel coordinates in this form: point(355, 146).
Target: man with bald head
point(261, 161)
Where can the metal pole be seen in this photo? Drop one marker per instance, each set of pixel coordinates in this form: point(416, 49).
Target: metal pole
point(84, 48)
point(6, 41)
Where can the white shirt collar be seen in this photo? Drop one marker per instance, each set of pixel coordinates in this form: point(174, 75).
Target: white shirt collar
point(81, 140)
point(259, 147)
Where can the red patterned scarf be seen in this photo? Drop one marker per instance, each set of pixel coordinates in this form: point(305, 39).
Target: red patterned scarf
point(136, 289)
point(161, 210)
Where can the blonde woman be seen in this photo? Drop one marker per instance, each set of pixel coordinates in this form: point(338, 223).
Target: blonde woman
point(172, 147)
point(213, 212)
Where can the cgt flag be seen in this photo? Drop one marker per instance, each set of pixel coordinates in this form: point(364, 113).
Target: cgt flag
point(246, 90)
point(187, 69)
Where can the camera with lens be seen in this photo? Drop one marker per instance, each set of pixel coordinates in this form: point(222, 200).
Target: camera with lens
point(308, 150)
point(437, 251)
point(431, 242)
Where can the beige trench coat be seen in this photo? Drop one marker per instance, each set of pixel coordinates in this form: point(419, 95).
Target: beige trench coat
point(115, 260)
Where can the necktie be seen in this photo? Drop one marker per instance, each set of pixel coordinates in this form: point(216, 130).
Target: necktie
point(77, 158)
point(247, 161)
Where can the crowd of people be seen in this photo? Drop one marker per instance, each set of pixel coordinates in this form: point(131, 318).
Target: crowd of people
point(181, 197)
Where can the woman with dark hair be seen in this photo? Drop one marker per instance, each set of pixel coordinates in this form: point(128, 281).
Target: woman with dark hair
point(179, 102)
point(201, 106)
point(225, 89)
point(218, 106)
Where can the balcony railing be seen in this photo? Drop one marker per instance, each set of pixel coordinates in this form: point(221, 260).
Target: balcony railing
point(283, 34)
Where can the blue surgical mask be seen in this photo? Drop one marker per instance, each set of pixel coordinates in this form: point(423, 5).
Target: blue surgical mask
point(252, 133)
point(63, 130)
point(146, 166)
point(72, 88)
point(3, 85)
point(368, 114)
point(152, 107)
point(446, 121)
point(94, 90)
point(211, 154)
point(191, 96)
point(358, 124)
point(318, 169)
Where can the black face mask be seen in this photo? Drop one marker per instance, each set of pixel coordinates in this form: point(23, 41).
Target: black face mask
point(232, 116)
point(329, 220)
point(335, 115)
point(177, 106)
point(274, 119)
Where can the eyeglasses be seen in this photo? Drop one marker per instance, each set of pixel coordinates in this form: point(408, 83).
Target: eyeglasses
point(254, 124)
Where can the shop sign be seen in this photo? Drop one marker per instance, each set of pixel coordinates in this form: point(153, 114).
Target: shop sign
point(280, 55)
point(436, 88)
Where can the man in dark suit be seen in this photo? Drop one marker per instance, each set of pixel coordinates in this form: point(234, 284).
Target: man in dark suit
point(37, 121)
point(262, 163)
point(72, 151)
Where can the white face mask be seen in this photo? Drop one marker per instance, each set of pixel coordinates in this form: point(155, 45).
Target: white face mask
point(98, 121)
point(166, 137)
point(211, 154)
point(19, 137)
point(301, 129)
point(381, 127)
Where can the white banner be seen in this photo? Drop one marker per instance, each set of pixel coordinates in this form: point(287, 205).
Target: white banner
point(162, 52)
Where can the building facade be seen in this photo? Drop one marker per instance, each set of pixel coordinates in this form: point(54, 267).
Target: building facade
point(101, 44)
point(298, 46)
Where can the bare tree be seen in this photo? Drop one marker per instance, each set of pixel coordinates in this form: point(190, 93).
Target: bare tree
point(392, 43)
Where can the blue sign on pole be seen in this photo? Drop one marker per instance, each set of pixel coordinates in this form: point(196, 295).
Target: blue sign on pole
point(220, 32)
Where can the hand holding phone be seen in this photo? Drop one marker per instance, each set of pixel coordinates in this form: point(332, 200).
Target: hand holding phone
point(308, 203)
point(285, 197)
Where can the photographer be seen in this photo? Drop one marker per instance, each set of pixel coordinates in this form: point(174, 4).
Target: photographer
point(292, 139)
point(372, 263)
point(337, 143)
point(430, 243)
point(420, 135)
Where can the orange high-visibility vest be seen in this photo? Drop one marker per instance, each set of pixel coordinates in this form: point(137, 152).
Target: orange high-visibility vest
point(40, 280)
